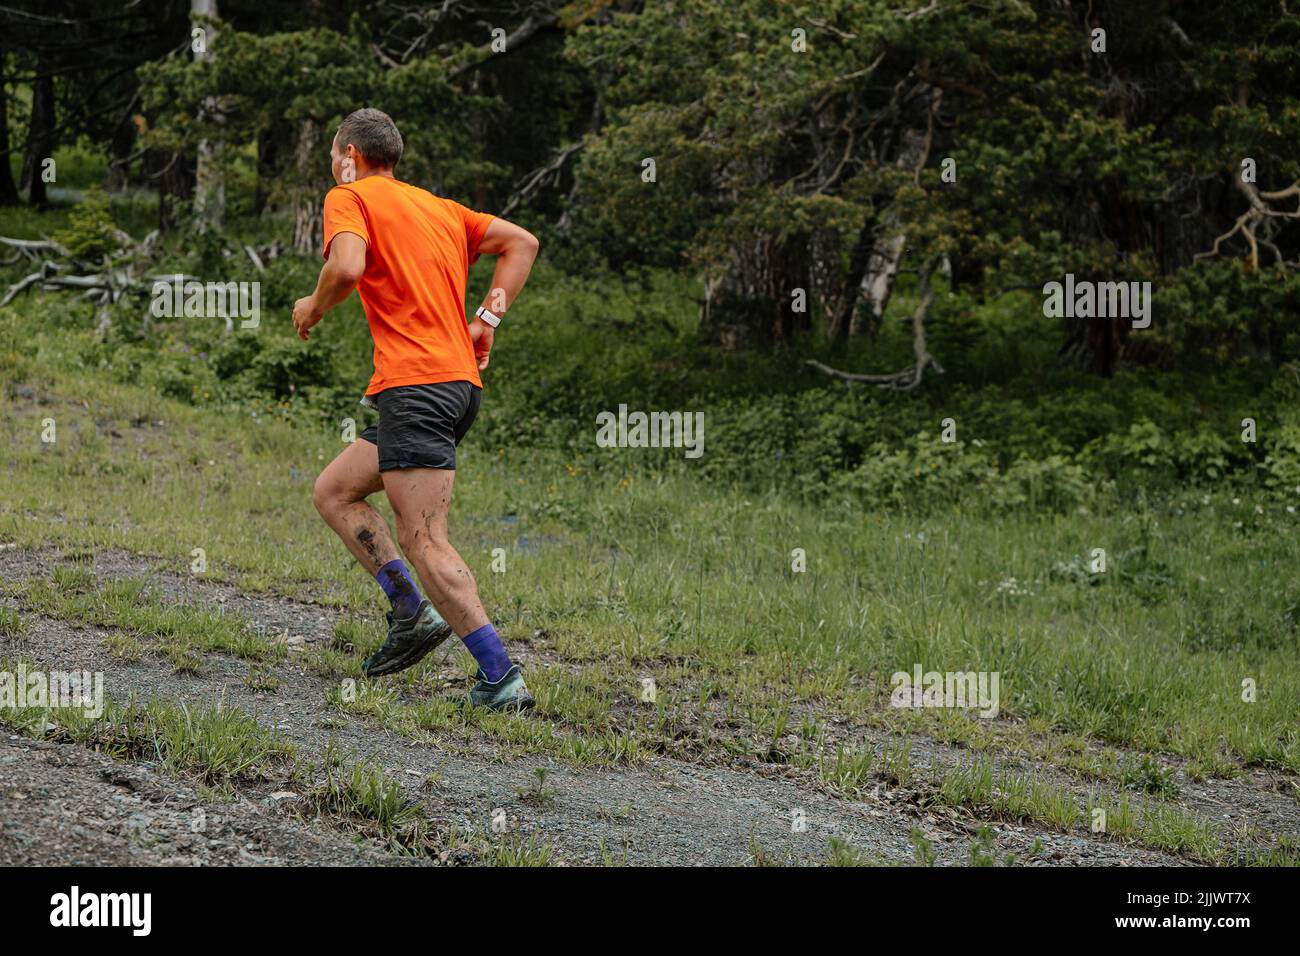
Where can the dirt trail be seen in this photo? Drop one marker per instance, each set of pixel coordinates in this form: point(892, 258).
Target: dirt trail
point(64, 805)
point(62, 802)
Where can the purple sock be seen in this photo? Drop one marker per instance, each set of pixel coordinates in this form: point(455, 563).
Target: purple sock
point(401, 589)
point(489, 652)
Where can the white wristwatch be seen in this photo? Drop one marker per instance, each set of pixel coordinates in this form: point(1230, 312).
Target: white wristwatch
point(488, 317)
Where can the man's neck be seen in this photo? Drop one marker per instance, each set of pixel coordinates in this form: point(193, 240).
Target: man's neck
point(385, 173)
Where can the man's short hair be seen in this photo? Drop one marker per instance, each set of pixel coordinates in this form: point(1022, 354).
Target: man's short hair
point(375, 136)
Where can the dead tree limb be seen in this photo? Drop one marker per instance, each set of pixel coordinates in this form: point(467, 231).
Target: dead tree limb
point(909, 378)
point(1248, 223)
point(877, 283)
point(30, 247)
point(118, 275)
point(540, 176)
point(531, 26)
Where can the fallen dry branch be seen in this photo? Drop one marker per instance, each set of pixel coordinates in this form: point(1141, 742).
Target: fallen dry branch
point(908, 378)
point(33, 250)
point(116, 276)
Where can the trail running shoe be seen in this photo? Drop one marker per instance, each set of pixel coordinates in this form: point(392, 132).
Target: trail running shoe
point(509, 693)
point(408, 641)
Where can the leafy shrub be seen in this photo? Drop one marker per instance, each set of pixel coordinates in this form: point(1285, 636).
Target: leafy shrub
point(91, 232)
point(1055, 483)
point(1160, 456)
point(1218, 314)
point(924, 474)
point(1282, 463)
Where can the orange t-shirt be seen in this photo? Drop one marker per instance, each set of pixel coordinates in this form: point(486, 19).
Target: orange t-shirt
point(418, 252)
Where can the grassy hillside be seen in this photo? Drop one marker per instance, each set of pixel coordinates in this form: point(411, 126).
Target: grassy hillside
point(628, 565)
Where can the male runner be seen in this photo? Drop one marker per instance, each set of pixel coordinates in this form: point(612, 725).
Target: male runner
point(408, 253)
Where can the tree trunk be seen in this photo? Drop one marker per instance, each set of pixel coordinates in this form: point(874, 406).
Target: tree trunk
point(308, 228)
point(1094, 343)
point(209, 172)
point(120, 146)
point(40, 138)
point(174, 187)
point(268, 143)
point(748, 300)
point(8, 188)
point(877, 285)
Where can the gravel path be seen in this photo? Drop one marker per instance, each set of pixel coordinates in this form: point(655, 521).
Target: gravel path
point(63, 803)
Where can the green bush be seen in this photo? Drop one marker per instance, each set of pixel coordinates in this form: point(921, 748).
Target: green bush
point(1159, 456)
point(91, 232)
point(1282, 463)
point(926, 474)
point(1055, 483)
point(1218, 314)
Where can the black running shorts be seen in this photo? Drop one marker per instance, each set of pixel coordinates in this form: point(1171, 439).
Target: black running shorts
point(420, 425)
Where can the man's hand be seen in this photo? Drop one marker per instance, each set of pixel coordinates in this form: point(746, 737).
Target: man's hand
point(481, 334)
point(305, 315)
point(515, 249)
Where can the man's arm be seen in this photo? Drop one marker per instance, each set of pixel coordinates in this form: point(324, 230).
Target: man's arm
point(515, 249)
point(338, 278)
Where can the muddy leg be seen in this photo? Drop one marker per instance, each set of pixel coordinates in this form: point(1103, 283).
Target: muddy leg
point(340, 497)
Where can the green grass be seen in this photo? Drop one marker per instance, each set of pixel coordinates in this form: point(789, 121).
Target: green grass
point(217, 744)
point(1148, 775)
point(181, 632)
point(1008, 797)
point(361, 797)
point(983, 850)
point(922, 849)
point(514, 850)
point(1285, 853)
point(262, 679)
point(1157, 825)
point(12, 623)
point(688, 584)
point(629, 566)
point(843, 853)
point(849, 771)
point(213, 744)
point(538, 793)
point(363, 791)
